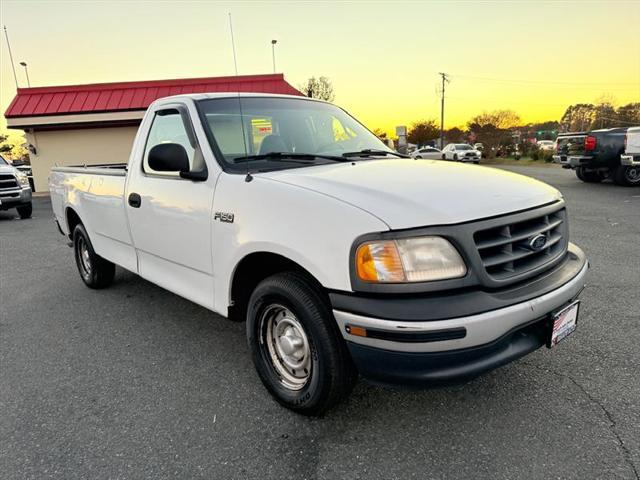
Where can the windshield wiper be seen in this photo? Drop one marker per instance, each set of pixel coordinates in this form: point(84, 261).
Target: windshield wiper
point(371, 152)
point(289, 157)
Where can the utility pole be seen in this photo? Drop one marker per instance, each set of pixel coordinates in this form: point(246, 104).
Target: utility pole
point(13, 67)
point(445, 79)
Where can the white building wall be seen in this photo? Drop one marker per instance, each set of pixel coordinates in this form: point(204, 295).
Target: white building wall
point(89, 146)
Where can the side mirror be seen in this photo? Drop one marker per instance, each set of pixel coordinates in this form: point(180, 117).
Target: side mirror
point(169, 157)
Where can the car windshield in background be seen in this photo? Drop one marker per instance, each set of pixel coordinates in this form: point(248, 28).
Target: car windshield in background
point(3, 161)
point(270, 132)
point(463, 146)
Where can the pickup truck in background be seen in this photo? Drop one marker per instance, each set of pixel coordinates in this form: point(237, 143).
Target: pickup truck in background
point(631, 157)
point(595, 155)
point(344, 257)
point(15, 190)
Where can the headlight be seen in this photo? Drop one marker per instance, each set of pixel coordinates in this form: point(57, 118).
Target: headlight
point(418, 259)
point(23, 179)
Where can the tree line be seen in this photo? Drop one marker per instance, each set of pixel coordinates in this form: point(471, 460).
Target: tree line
point(504, 127)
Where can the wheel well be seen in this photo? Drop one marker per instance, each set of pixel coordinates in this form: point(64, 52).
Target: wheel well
point(251, 270)
point(73, 219)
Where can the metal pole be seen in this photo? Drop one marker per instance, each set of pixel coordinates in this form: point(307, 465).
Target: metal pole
point(13, 67)
point(233, 45)
point(444, 79)
point(273, 54)
point(26, 72)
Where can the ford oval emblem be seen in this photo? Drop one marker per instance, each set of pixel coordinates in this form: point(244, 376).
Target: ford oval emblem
point(538, 242)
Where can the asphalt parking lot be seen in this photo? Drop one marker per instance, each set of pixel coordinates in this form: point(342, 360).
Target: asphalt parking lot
point(135, 382)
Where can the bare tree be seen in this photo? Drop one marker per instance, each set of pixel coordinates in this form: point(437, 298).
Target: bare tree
point(320, 88)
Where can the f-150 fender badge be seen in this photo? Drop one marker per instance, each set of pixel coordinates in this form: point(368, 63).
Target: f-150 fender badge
point(223, 217)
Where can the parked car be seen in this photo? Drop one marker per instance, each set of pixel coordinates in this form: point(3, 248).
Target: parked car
point(630, 161)
point(595, 155)
point(427, 152)
point(461, 152)
point(15, 191)
point(546, 145)
point(344, 258)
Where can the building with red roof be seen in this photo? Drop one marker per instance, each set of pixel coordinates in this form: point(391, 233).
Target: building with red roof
point(96, 123)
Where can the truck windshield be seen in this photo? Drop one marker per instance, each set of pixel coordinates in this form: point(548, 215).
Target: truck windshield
point(249, 129)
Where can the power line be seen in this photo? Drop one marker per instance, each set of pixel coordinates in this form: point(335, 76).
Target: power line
point(543, 82)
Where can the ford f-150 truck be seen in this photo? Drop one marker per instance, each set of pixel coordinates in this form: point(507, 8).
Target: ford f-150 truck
point(344, 257)
point(15, 190)
point(596, 155)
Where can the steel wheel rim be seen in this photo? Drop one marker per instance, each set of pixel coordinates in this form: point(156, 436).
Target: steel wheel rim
point(287, 346)
point(633, 174)
point(83, 255)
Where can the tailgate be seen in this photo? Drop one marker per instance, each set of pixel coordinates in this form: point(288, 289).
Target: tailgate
point(571, 144)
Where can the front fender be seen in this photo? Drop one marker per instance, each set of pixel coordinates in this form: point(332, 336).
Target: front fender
point(311, 229)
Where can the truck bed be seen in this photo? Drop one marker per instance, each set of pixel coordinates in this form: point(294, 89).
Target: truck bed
point(115, 169)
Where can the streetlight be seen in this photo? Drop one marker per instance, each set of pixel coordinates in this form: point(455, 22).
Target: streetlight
point(26, 72)
point(273, 53)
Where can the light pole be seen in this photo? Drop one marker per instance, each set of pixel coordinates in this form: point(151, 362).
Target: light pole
point(26, 72)
point(273, 53)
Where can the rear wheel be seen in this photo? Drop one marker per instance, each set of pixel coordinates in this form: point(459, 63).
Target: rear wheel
point(25, 211)
point(588, 176)
point(296, 346)
point(627, 176)
point(95, 271)
point(418, 156)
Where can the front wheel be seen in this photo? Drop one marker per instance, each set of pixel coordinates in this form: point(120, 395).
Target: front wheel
point(418, 156)
point(296, 346)
point(25, 211)
point(95, 271)
point(627, 176)
point(455, 157)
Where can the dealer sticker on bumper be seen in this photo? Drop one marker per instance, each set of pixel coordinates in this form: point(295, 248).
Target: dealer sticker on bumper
point(564, 323)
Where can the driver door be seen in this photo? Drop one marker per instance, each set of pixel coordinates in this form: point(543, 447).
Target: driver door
point(170, 217)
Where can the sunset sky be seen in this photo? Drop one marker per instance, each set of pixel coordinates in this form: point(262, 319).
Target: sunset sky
point(382, 57)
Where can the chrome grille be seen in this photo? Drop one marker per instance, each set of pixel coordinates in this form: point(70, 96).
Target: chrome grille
point(7, 182)
point(506, 250)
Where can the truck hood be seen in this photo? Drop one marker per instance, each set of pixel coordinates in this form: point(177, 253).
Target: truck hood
point(407, 193)
point(7, 169)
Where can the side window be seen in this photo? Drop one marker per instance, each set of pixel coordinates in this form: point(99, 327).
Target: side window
point(167, 127)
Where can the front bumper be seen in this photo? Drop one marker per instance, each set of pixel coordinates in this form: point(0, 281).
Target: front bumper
point(630, 160)
point(14, 198)
point(425, 351)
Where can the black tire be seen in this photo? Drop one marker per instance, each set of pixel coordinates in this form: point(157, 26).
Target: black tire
point(25, 211)
point(325, 373)
point(588, 176)
point(476, 162)
point(627, 176)
point(455, 157)
point(444, 157)
point(95, 271)
point(418, 156)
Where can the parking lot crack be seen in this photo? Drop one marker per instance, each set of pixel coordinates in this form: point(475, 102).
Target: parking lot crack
point(612, 423)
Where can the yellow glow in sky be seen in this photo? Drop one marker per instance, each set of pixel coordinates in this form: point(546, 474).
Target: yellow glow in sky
point(383, 57)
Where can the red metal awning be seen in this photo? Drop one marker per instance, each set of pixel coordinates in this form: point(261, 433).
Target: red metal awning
point(129, 96)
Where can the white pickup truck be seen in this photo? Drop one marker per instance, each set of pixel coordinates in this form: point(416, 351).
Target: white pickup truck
point(343, 256)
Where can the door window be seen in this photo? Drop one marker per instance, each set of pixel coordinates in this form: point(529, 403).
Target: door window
point(167, 127)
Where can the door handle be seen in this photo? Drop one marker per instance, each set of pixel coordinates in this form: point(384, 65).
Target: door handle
point(135, 200)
